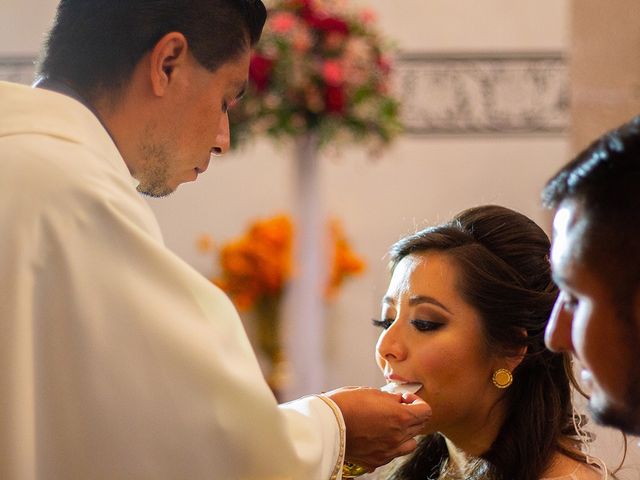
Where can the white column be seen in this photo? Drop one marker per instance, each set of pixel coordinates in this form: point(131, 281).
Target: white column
point(304, 326)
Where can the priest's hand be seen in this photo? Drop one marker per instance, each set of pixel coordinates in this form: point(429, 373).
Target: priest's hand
point(379, 426)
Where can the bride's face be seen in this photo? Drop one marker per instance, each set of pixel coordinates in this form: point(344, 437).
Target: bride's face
point(432, 336)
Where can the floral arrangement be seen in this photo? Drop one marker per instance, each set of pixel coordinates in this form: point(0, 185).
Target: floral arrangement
point(254, 271)
point(257, 265)
point(321, 69)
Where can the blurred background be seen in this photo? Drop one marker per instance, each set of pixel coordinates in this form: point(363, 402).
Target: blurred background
point(494, 97)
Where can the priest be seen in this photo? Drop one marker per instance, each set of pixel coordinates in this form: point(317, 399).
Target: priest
point(119, 361)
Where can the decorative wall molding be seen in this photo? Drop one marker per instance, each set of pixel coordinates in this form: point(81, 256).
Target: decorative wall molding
point(519, 93)
point(447, 94)
point(17, 69)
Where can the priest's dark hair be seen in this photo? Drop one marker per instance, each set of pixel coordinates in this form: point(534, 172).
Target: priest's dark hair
point(502, 259)
point(94, 45)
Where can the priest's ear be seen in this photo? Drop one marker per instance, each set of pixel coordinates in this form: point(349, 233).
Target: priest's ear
point(167, 58)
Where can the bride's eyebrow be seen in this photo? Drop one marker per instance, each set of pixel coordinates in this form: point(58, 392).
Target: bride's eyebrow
point(417, 299)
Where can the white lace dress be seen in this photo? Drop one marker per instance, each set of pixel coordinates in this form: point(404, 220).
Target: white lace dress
point(457, 461)
point(575, 475)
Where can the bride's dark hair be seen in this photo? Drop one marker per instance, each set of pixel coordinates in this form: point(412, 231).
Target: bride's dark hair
point(503, 266)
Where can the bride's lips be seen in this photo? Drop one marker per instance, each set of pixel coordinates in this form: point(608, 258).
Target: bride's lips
point(393, 377)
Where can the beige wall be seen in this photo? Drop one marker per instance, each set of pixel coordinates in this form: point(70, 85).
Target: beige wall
point(24, 23)
point(604, 66)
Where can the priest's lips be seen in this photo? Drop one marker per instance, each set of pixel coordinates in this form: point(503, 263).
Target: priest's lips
point(203, 168)
point(192, 175)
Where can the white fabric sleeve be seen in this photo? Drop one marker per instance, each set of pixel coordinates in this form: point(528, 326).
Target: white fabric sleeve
point(325, 413)
point(119, 360)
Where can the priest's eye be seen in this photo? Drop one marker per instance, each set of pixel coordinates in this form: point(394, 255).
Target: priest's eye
point(226, 106)
point(569, 302)
point(384, 324)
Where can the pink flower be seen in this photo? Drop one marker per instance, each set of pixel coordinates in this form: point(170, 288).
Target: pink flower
point(367, 16)
point(332, 72)
point(282, 22)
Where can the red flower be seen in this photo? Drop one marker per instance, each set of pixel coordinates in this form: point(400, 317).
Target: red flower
point(321, 22)
point(335, 99)
point(329, 24)
point(332, 24)
point(260, 71)
point(306, 9)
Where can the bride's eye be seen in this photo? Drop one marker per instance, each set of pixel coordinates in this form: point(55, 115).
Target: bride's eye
point(426, 325)
point(384, 324)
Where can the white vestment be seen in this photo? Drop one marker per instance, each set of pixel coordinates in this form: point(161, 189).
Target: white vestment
point(117, 359)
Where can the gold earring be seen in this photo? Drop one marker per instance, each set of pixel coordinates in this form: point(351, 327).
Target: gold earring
point(502, 378)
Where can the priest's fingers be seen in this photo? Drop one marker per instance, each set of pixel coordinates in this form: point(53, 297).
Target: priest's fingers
point(379, 426)
point(410, 398)
point(420, 409)
point(407, 447)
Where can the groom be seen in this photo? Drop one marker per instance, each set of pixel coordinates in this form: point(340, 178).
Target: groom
point(595, 258)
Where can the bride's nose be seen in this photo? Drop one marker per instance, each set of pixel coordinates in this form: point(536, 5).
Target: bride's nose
point(391, 345)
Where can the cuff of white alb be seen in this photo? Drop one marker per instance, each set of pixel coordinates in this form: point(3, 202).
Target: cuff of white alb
point(337, 471)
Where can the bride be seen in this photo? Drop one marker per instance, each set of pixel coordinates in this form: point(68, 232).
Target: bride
point(462, 323)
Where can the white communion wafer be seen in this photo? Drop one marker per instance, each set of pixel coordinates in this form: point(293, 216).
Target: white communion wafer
point(393, 387)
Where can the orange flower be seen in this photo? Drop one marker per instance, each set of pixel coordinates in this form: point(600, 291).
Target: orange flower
point(345, 261)
point(258, 264)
